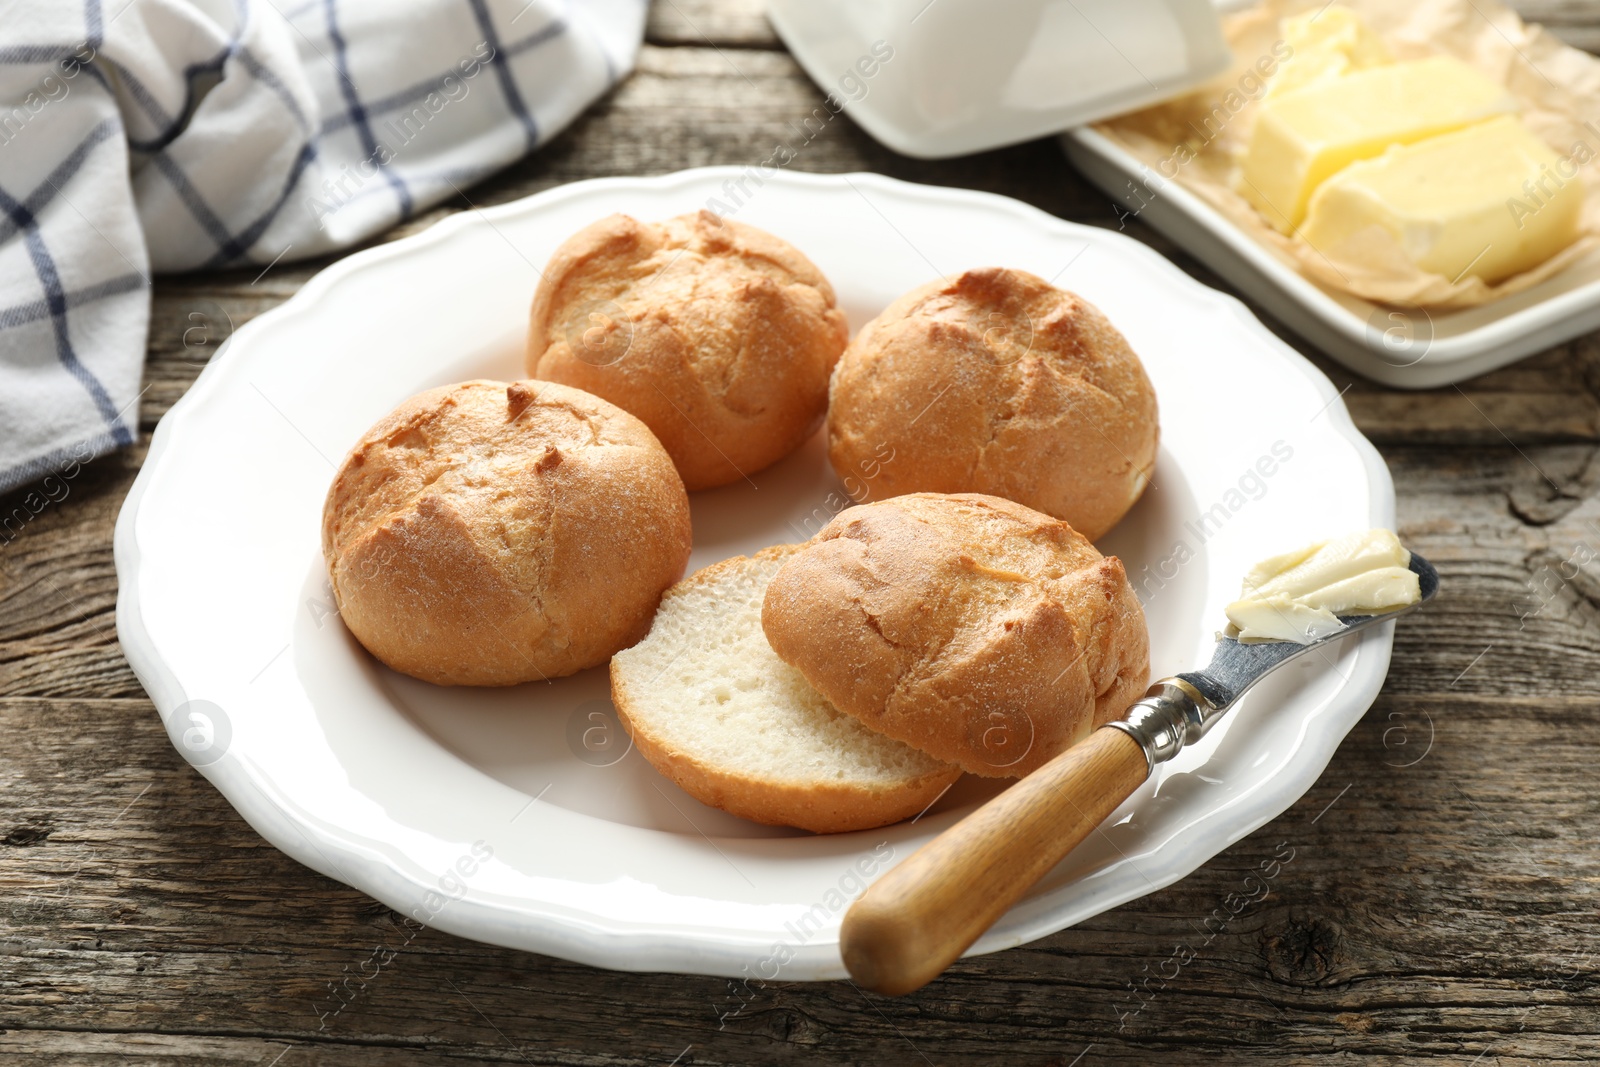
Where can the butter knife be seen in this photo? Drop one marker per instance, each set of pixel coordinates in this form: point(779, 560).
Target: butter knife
point(924, 913)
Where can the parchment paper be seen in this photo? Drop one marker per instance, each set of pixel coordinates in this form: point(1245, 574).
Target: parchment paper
point(1195, 139)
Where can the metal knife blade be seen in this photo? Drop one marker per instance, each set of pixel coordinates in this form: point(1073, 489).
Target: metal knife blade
point(1178, 711)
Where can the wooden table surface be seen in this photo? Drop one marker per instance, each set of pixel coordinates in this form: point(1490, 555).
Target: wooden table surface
point(1439, 902)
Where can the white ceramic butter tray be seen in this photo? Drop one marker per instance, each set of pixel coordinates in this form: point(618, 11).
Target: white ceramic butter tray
point(1408, 348)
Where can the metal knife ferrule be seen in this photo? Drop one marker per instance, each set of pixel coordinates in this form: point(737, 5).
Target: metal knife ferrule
point(1172, 714)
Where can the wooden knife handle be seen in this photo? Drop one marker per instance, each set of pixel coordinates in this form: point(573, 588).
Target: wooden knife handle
point(920, 917)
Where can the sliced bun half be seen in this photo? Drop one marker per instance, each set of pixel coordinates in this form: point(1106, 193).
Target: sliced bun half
point(714, 709)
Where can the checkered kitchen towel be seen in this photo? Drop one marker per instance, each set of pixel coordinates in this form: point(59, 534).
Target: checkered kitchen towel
point(167, 135)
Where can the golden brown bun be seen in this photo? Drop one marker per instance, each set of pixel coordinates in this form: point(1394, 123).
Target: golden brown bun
point(982, 632)
point(718, 335)
point(995, 382)
point(488, 533)
point(712, 708)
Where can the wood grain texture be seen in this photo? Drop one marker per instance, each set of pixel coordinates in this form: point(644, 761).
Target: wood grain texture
point(1432, 898)
point(724, 23)
point(1414, 903)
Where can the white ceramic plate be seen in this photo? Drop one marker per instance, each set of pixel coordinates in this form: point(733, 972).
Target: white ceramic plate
point(516, 816)
point(1406, 348)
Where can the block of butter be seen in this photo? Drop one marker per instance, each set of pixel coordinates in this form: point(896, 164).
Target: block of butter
point(1326, 43)
point(1488, 200)
point(1303, 137)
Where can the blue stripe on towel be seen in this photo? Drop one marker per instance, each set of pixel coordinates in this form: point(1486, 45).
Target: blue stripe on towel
point(56, 297)
point(358, 113)
point(508, 83)
point(34, 310)
point(252, 233)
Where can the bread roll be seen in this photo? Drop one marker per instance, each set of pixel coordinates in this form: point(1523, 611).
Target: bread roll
point(995, 382)
point(718, 335)
point(488, 533)
point(711, 707)
point(982, 632)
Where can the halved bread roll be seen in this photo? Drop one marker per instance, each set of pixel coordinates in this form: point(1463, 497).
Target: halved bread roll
point(713, 708)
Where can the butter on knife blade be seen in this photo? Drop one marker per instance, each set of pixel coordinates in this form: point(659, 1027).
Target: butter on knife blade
point(1299, 596)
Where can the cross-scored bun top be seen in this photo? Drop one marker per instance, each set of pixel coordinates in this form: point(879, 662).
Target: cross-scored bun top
point(982, 632)
point(996, 382)
point(488, 533)
point(719, 336)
